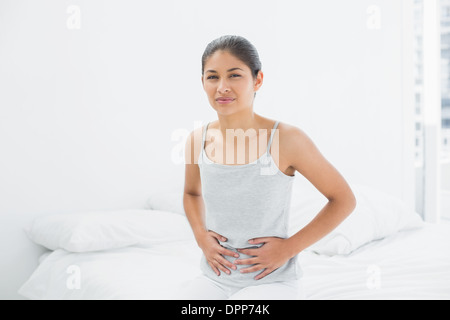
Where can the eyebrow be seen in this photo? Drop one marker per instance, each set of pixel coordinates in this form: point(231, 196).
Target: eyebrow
point(214, 71)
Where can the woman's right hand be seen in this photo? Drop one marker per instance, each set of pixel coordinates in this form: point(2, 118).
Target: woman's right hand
point(214, 252)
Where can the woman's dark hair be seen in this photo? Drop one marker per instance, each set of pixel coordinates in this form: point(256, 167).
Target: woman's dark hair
point(239, 47)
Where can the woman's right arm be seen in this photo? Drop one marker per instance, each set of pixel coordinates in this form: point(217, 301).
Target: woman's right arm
point(194, 208)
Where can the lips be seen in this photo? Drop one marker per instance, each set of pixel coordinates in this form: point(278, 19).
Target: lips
point(224, 99)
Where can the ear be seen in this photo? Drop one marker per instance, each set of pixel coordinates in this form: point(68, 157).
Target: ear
point(258, 81)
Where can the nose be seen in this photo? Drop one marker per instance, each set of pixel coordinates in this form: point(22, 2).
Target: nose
point(223, 87)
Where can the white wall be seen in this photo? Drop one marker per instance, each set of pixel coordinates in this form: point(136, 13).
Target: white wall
point(87, 115)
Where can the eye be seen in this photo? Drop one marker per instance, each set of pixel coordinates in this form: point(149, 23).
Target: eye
point(232, 76)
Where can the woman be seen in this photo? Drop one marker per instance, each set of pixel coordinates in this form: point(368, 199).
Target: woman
point(238, 211)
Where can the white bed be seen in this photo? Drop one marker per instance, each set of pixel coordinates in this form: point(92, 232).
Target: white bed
point(382, 251)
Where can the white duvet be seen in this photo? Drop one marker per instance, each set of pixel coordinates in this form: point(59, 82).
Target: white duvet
point(125, 273)
point(411, 264)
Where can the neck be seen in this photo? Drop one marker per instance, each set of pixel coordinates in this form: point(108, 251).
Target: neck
point(242, 120)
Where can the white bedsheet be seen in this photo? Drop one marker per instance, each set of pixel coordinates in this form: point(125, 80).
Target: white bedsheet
point(411, 264)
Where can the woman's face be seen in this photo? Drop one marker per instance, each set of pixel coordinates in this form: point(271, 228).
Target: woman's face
point(226, 76)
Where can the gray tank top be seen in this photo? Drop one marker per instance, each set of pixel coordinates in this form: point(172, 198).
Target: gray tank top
point(244, 202)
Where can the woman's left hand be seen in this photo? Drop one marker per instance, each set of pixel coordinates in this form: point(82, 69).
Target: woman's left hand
point(274, 253)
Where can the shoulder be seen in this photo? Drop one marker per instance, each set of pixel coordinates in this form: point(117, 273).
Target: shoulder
point(296, 147)
point(291, 136)
point(193, 145)
point(194, 136)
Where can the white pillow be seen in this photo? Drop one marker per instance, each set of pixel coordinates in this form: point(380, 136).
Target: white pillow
point(375, 216)
point(103, 230)
point(166, 201)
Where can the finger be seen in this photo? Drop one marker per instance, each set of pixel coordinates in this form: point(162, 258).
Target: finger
point(227, 252)
point(214, 268)
point(263, 274)
point(218, 236)
point(247, 261)
point(252, 269)
point(222, 267)
point(226, 263)
point(249, 252)
point(259, 240)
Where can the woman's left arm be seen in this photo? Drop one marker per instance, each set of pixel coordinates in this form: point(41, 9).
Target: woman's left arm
point(305, 158)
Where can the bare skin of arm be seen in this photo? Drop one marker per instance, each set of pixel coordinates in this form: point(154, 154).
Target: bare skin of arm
point(194, 207)
point(304, 157)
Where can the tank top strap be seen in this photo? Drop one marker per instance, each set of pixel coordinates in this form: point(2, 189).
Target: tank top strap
point(205, 128)
point(268, 145)
point(204, 135)
point(271, 136)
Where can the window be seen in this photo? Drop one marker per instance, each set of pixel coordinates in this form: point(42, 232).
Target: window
point(420, 139)
point(445, 111)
